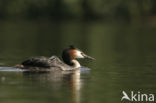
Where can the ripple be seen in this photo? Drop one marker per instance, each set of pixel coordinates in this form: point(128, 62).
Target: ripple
point(11, 69)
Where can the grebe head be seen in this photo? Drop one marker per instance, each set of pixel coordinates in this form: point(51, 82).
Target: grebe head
point(70, 54)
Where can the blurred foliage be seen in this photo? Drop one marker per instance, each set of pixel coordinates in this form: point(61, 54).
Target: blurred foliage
point(77, 9)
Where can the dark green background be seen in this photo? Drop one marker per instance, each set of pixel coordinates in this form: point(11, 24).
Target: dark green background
point(120, 34)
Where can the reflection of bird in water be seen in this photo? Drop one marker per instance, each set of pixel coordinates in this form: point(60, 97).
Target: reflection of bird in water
point(69, 56)
point(69, 80)
point(76, 85)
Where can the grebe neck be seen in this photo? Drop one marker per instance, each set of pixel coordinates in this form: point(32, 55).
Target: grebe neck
point(76, 64)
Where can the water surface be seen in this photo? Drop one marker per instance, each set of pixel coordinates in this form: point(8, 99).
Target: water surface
point(125, 60)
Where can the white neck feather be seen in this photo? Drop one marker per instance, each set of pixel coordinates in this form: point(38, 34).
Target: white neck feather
point(76, 64)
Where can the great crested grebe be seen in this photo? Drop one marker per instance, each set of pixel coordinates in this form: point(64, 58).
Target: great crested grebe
point(69, 57)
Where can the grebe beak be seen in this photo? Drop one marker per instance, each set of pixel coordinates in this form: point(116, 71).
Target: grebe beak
point(88, 57)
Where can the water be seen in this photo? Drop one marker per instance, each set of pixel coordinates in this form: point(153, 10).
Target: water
point(125, 60)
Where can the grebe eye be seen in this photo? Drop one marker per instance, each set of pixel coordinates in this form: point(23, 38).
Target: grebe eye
point(82, 54)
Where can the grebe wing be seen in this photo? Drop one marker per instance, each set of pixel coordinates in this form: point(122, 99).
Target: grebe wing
point(49, 63)
point(37, 62)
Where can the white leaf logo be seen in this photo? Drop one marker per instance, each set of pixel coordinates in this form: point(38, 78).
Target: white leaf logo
point(125, 96)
